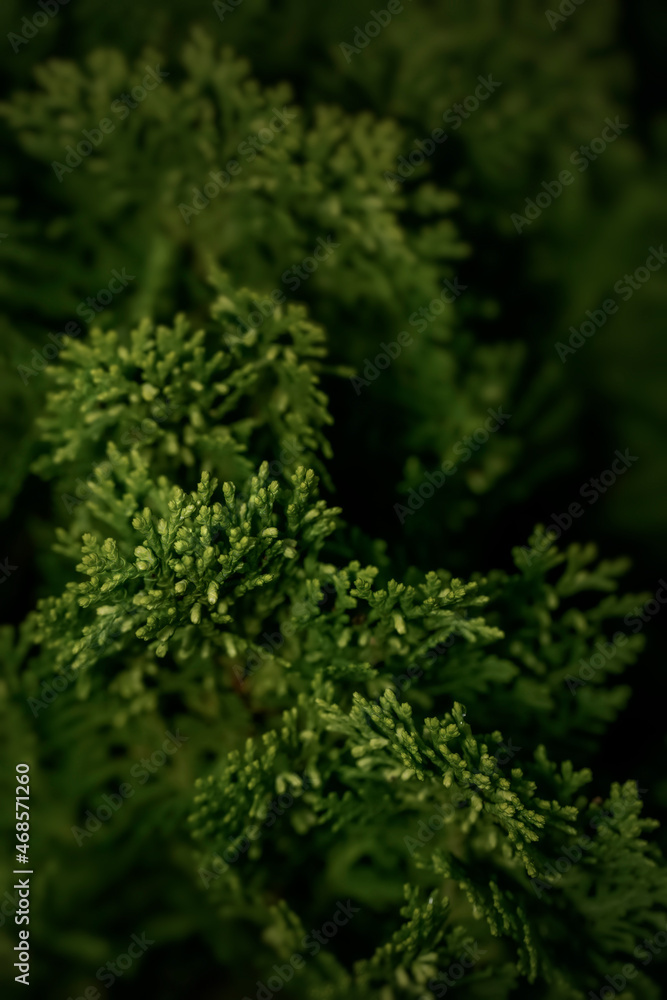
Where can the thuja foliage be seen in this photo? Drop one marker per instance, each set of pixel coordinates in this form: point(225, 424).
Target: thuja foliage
point(304, 175)
point(190, 398)
point(324, 172)
point(248, 721)
point(325, 753)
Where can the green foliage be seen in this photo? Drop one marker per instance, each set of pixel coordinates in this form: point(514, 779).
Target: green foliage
point(220, 607)
point(320, 176)
point(190, 399)
point(495, 834)
point(195, 581)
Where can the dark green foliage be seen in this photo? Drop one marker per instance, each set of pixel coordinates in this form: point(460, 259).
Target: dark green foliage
point(349, 724)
